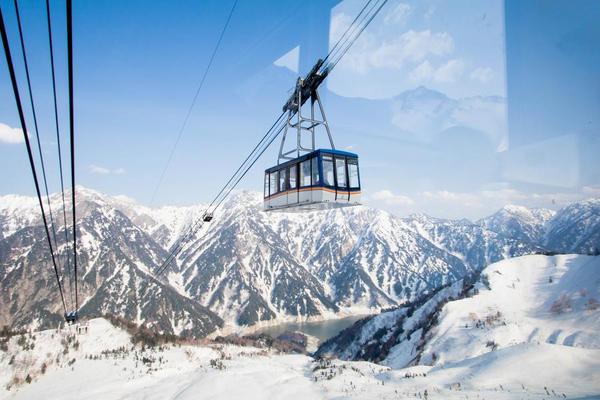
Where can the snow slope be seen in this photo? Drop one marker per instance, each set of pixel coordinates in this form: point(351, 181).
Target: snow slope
point(531, 300)
point(108, 366)
point(528, 322)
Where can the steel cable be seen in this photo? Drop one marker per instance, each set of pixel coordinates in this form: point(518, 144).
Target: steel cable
point(60, 166)
point(191, 107)
point(15, 87)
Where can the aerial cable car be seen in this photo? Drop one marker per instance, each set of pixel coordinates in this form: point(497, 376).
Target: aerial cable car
point(71, 317)
point(306, 178)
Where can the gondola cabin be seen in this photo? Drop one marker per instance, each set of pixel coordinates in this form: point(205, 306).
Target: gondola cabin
point(321, 179)
point(71, 317)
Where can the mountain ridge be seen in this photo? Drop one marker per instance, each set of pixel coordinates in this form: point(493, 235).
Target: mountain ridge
point(249, 266)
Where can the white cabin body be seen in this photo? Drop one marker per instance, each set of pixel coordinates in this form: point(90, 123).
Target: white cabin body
point(321, 179)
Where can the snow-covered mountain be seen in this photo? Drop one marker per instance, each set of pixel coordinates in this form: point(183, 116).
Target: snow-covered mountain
point(575, 228)
point(572, 229)
point(474, 243)
point(245, 266)
point(522, 223)
point(115, 258)
point(522, 310)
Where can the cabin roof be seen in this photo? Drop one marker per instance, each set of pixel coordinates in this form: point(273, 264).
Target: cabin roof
point(310, 155)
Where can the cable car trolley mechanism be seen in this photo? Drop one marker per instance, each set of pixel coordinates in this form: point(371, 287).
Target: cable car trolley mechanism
point(306, 178)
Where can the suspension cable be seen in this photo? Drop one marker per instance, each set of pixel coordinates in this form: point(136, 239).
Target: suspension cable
point(233, 186)
point(58, 145)
point(333, 49)
point(277, 121)
point(191, 107)
point(338, 57)
point(15, 87)
point(350, 34)
point(193, 228)
point(37, 134)
point(72, 137)
point(191, 231)
point(210, 209)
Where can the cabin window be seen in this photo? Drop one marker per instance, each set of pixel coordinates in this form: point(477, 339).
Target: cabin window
point(266, 185)
point(353, 174)
point(315, 171)
point(328, 172)
point(340, 170)
point(292, 173)
point(283, 177)
point(273, 183)
point(305, 173)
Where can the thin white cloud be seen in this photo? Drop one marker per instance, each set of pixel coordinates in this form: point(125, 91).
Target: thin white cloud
point(452, 199)
point(413, 46)
point(592, 191)
point(10, 135)
point(338, 25)
point(481, 74)
point(405, 50)
point(95, 169)
point(398, 15)
point(389, 198)
point(448, 72)
point(125, 199)
point(410, 47)
point(422, 72)
point(473, 205)
point(99, 170)
point(481, 203)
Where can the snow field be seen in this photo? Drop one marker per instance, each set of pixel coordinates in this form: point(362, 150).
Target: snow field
point(545, 347)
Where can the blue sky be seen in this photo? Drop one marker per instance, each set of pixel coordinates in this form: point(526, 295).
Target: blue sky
point(455, 108)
